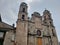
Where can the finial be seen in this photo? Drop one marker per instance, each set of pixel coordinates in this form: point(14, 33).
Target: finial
point(13, 25)
point(0, 18)
point(23, 3)
point(45, 8)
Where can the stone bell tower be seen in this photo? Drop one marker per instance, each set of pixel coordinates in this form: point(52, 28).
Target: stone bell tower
point(51, 37)
point(22, 25)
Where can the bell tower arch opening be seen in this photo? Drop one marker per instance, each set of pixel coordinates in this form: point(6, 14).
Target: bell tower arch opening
point(23, 11)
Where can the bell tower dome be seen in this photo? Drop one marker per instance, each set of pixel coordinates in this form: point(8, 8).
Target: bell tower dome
point(23, 11)
point(47, 19)
point(23, 7)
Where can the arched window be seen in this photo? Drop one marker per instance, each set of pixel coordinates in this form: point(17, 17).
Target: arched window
point(23, 16)
point(38, 32)
point(23, 9)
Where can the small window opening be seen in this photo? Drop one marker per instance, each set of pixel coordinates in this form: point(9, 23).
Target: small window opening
point(51, 23)
point(45, 22)
point(23, 9)
point(23, 17)
point(38, 32)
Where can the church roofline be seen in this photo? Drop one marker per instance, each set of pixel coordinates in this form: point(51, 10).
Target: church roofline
point(37, 14)
point(6, 26)
point(46, 12)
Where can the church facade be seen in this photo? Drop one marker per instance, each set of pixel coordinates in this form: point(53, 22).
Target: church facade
point(37, 30)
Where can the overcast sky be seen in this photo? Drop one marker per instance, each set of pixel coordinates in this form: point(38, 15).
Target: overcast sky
point(9, 10)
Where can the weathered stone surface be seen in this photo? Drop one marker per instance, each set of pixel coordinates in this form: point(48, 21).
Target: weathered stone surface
point(27, 29)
